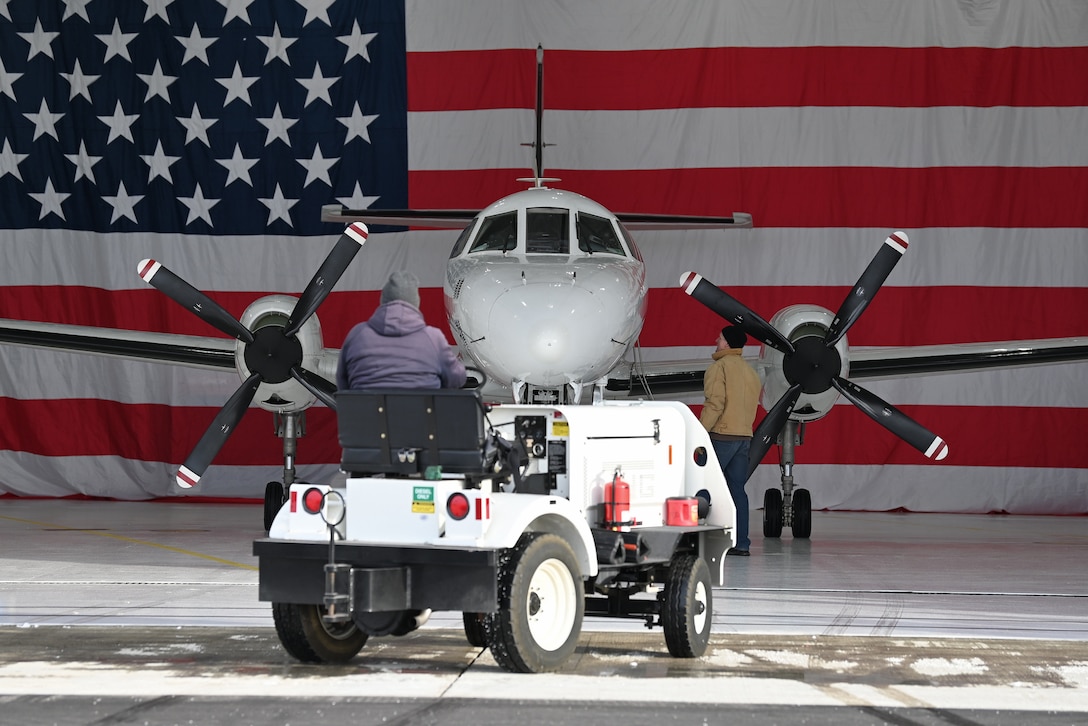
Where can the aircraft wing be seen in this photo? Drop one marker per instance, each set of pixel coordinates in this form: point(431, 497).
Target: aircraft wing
point(883, 363)
point(459, 218)
point(643, 222)
point(676, 378)
point(184, 350)
point(435, 218)
point(190, 351)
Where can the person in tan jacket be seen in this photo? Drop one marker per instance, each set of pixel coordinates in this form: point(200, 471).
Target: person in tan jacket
point(731, 389)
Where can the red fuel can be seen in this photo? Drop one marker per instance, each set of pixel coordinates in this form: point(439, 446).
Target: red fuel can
point(681, 511)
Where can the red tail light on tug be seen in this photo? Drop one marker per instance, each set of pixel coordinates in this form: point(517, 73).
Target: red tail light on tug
point(312, 499)
point(458, 506)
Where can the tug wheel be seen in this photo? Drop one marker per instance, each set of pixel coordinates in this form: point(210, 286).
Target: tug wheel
point(476, 629)
point(306, 636)
point(392, 622)
point(686, 611)
point(541, 606)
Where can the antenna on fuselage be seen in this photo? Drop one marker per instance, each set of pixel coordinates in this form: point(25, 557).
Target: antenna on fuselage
point(538, 144)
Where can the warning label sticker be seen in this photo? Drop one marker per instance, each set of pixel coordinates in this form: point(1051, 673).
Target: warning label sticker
point(423, 500)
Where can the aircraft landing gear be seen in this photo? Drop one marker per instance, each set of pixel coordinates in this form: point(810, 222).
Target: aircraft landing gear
point(788, 507)
point(289, 427)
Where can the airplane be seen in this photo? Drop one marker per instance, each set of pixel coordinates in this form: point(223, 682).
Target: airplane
point(546, 294)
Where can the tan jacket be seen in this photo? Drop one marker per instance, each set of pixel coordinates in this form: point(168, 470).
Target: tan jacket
point(731, 387)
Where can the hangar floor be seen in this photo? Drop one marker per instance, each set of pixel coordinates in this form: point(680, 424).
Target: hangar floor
point(954, 607)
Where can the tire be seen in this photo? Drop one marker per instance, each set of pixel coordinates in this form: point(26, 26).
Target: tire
point(541, 606)
point(273, 501)
point(772, 513)
point(475, 629)
point(687, 611)
point(307, 637)
point(391, 622)
point(802, 514)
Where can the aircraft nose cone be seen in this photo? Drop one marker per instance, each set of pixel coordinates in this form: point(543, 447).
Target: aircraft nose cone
point(550, 343)
point(547, 337)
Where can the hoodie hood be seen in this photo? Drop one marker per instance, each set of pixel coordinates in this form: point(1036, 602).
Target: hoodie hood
point(396, 318)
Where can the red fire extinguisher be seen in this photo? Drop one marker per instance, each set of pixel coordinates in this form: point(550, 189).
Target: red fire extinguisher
point(617, 502)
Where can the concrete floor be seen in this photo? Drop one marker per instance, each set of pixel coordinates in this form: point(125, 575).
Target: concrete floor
point(877, 618)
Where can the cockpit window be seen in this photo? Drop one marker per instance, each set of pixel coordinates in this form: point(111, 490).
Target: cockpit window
point(547, 231)
point(498, 233)
point(596, 234)
point(631, 244)
point(462, 239)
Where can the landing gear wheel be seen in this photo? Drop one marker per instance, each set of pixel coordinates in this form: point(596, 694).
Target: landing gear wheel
point(686, 611)
point(541, 606)
point(772, 513)
point(273, 501)
point(476, 629)
point(802, 514)
point(310, 639)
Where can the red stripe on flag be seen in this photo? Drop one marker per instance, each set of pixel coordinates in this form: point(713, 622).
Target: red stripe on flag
point(896, 198)
point(897, 315)
point(976, 435)
point(749, 77)
point(156, 432)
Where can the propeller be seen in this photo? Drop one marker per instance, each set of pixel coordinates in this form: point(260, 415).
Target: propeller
point(734, 311)
point(812, 364)
point(273, 353)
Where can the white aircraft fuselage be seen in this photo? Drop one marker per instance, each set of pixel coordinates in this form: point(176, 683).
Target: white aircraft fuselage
point(535, 284)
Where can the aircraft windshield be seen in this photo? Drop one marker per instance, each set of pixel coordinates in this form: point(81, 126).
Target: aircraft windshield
point(462, 239)
point(498, 233)
point(631, 244)
point(548, 231)
point(596, 234)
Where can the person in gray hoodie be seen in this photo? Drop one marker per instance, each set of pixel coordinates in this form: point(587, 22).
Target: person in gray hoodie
point(396, 348)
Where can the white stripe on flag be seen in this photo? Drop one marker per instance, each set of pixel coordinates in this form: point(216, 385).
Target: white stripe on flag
point(625, 24)
point(753, 137)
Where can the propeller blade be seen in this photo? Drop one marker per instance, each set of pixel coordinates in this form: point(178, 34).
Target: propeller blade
point(184, 294)
point(734, 311)
point(867, 286)
point(891, 418)
point(315, 384)
point(327, 275)
point(217, 434)
point(767, 431)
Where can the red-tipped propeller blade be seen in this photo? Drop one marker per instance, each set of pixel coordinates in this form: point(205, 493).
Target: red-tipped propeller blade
point(734, 311)
point(181, 292)
point(891, 418)
point(218, 432)
point(867, 286)
point(321, 284)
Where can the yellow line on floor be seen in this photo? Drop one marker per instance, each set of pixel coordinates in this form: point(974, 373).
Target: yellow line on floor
point(133, 540)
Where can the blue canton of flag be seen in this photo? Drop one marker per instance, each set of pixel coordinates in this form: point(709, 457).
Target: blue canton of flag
point(199, 116)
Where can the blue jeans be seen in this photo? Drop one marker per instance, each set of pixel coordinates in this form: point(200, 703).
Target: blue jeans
point(733, 458)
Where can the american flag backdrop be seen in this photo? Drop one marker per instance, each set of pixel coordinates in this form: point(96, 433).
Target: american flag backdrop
point(206, 134)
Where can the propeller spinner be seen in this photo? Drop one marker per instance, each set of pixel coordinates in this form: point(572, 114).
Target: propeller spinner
point(812, 364)
point(272, 353)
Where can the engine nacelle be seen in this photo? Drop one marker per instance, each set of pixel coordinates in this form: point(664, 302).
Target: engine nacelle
point(796, 322)
point(289, 395)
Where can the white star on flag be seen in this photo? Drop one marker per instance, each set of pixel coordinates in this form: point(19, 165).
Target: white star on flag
point(123, 203)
